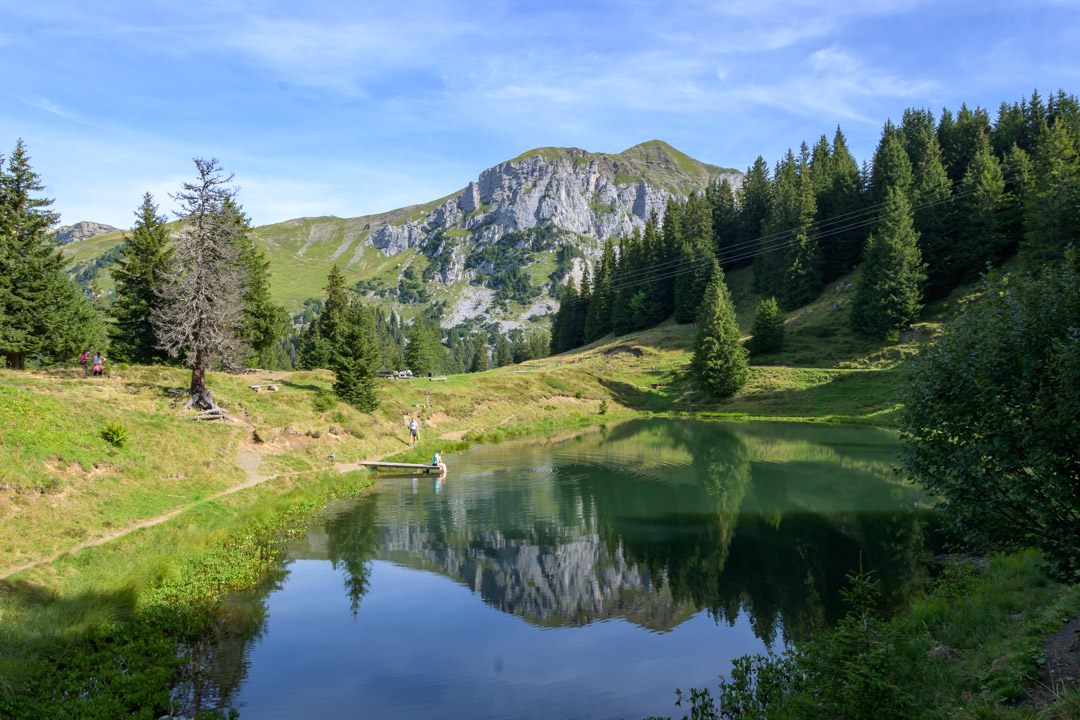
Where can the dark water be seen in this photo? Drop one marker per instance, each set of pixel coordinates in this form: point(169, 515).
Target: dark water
point(582, 576)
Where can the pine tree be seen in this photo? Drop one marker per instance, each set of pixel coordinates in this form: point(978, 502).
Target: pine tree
point(789, 266)
point(318, 341)
point(144, 256)
point(842, 243)
point(935, 219)
point(264, 322)
point(755, 198)
point(1052, 213)
point(598, 316)
point(959, 138)
point(801, 278)
point(983, 195)
point(356, 358)
point(422, 351)
point(892, 167)
point(480, 356)
point(888, 296)
point(768, 330)
point(41, 310)
point(719, 360)
point(725, 218)
point(503, 354)
point(201, 312)
point(697, 256)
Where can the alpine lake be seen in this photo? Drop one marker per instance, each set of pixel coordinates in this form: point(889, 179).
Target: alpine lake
point(586, 574)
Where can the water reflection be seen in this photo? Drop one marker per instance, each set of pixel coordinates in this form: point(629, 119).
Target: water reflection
point(649, 521)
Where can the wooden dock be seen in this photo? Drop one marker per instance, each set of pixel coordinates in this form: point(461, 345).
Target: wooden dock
point(405, 468)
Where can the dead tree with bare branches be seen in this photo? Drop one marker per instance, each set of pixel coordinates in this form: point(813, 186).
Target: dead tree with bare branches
point(200, 315)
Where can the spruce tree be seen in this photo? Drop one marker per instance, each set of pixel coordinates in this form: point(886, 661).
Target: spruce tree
point(768, 330)
point(725, 218)
point(697, 256)
point(888, 295)
point(598, 316)
point(318, 341)
point(41, 310)
point(892, 167)
point(144, 257)
point(480, 356)
point(842, 242)
point(755, 198)
point(958, 140)
point(422, 351)
point(719, 360)
point(801, 275)
point(935, 220)
point(200, 315)
point(356, 358)
point(982, 202)
point(1052, 212)
point(503, 354)
point(264, 321)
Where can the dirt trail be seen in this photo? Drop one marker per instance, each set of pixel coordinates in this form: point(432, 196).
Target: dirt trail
point(249, 457)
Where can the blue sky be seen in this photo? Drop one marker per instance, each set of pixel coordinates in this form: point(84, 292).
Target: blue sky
point(338, 108)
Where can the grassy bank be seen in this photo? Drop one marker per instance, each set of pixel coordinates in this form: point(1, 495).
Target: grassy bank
point(972, 648)
point(96, 635)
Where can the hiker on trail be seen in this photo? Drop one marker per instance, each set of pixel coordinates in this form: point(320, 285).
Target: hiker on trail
point(85, 359)
point(437, 461)
point(414, 431)
point(99, 365)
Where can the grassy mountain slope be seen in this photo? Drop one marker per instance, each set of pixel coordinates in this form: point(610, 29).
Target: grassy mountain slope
point(302, 250)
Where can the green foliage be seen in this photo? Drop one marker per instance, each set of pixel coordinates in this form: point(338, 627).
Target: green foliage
point(411, 288)
point(356, 359)
point(603, 407)
point(321, 337)
point(116, 434)
point(480, 357)
point(768, 331)
point(264, 323)
point(143, 257)
point(324, 400)
point(41, 311)
point(1052, 213)
point(888, 296)
point(719, 361)
point(990, 419)
point(422, 351)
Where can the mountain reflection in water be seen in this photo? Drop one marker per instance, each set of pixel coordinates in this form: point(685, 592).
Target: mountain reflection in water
point(647, 521)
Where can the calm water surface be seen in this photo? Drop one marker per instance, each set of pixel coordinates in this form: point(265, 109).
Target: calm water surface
point(581, 576)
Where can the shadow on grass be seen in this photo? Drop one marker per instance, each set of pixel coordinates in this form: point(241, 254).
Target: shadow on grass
point(854, 395)
point(302, 386)
point(632, 396)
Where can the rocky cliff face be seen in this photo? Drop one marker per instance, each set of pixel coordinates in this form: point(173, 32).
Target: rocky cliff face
point(588, 194)
point(81, 231)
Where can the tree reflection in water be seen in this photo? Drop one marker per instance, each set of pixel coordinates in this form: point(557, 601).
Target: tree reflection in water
point(651, 521)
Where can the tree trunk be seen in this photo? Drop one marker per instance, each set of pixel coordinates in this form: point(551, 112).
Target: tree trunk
point(201, 397)
point(16, 361)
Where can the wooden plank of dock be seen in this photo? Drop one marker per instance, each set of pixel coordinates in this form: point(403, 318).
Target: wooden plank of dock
point(400, 466)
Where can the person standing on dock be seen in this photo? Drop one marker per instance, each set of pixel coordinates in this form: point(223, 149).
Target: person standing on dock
point(414, 431)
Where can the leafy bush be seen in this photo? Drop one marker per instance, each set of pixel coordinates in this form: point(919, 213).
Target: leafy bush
point(324, 400)
point(990, 416)
point(557, 385)
point(116, 434)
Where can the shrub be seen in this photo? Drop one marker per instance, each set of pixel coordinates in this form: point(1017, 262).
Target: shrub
point(768, 328)
point(324, 400)
point(116, 434)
